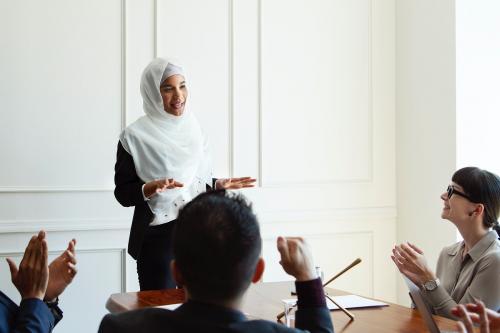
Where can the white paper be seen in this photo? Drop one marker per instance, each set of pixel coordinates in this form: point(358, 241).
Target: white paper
point(169, 306)
point(347, 302)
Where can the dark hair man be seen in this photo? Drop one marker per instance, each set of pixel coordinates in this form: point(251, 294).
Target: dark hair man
point(217, 247)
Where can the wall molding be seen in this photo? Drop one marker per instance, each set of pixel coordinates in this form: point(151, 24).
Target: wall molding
point(11, 254)
point(290, 183)
point(331, 215)
point(55, 189)
point(123, 64)
point(329, 235)
point(63, 225)
point(230, 108)
point(123, 119)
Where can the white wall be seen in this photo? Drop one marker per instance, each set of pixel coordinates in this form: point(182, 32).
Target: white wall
point(447, 110)
point(300, 94)
point(478, 79)
point(425, 123)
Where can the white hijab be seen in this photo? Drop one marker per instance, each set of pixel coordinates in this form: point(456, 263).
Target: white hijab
point(167, 146)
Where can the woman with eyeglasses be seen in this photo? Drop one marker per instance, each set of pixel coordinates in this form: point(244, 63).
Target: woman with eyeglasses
point(468, 270)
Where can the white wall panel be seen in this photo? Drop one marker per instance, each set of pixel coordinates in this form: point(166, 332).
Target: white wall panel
point(100, 274)
point(299, 94)
point(336, 239)
point(316, 91)
point(329, 252)
point(60, 92)
point(426, 150)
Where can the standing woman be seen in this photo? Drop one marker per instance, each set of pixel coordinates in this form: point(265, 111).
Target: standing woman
point(162, 162)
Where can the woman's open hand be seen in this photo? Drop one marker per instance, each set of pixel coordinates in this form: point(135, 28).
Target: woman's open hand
point(234, 183)
point(160, 185)
point(411, 262)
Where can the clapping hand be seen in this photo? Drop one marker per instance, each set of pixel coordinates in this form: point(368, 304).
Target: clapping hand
point(62, 270)
point(411, 262)
point(234, 183)
point(296, 258)
point(32, 276)
point(488, 320)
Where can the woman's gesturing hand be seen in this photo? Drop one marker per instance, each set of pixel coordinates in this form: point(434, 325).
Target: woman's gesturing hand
point(234, 183)
point(160, 185)
point(411, 262)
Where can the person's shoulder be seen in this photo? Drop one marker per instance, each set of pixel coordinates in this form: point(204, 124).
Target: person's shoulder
point(492, 256)
point(140, 123)
point(150, 320)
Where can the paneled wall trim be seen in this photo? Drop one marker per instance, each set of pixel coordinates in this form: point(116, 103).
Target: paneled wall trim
point(33, 226)
point(285, 69)
point(299, 94)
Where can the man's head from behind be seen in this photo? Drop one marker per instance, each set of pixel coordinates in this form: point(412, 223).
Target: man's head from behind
point(217, 247)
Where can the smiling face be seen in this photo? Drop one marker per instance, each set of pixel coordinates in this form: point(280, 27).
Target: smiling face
point(174, 94)
point(456, 208)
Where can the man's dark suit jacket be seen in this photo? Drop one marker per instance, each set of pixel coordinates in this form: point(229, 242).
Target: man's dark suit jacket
point(31, 316)
point(312, 315)
point(128, 192)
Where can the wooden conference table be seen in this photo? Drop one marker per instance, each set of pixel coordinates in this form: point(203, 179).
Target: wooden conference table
point(263, 300)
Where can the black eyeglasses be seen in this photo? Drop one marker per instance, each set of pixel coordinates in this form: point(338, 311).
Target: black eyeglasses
point(451, 190)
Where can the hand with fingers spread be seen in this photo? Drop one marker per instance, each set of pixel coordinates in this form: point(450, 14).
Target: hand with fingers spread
point(62, 270)
point(296, 258)
point(411, 262)
point(160, 185)
point(234, 183)
point(476, 313)
point(32, 276)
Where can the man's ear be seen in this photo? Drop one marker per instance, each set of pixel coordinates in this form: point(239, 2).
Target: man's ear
point(176, 274)
point(259, 270)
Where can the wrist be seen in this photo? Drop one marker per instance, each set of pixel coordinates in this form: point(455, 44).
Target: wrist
point(52, 302)
point(150, 189)
point(33, 296)
point(429, 276)
point(306, 276)
point(431, 285)
point(50, 299)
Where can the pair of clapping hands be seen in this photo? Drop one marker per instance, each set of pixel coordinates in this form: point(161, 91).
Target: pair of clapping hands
point(410, 261)
point(36, 278)
point(161, 185)
point(476, 313)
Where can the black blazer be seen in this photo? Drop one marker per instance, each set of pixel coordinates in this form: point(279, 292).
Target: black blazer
point(208, 318)
point(128, 192)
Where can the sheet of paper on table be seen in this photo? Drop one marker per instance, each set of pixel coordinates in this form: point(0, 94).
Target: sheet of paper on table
point(169, 306)
point(347, 301)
